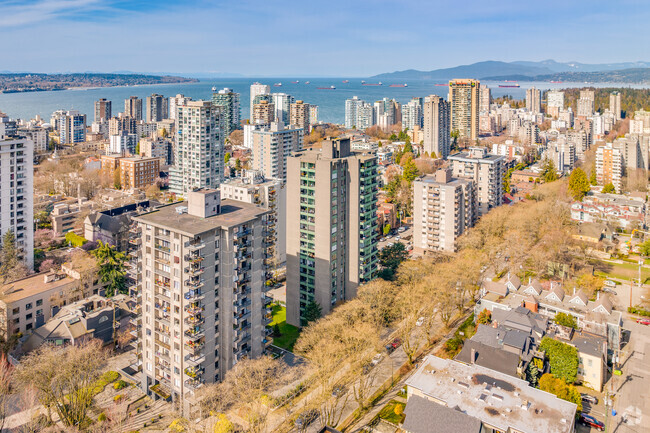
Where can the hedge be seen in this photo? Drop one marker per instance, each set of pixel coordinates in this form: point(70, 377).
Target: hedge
point(638, 310)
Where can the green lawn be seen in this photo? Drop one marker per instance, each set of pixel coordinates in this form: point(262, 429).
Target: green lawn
point(623, 271)
point(388, 412)
point(288, 333)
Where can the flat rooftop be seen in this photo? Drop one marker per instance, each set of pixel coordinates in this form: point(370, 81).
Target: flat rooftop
point(495, 398)
point(464, 156)
point(31, 286)
point(233, 213)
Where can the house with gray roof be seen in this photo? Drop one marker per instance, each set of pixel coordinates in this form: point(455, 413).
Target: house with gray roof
point(425, 416)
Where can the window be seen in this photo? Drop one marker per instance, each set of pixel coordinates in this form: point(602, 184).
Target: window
point(39, 302)
point(16, 310)
point(28, 317)
point(28, 306)
point(39, 312)
point(103, 319)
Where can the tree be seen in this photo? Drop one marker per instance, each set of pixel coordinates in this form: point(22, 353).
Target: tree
point(64, 378)
point(564, 319)
point(578, 184)
point(386, 229)
point(592, 177)
point(237, 164)
point(152, 192)
point(46, 265)
point(112, 270)
point(117, 182)
point(484, 317)
point(390, 258)
point(163, 133)
point(563, 359)
point(227, 157)
point(11, 267)
point(137, 148)
point(410, 172)
point(561, 389)
point(550, 173)
point(313, 312)
point(236, 138)
point(609, 188)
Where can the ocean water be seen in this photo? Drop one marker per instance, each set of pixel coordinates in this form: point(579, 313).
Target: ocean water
point(331, 102)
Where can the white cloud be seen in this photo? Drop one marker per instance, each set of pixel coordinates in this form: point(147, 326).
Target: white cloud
point(20, 14)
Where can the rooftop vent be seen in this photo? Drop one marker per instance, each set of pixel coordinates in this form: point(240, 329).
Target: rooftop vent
point(181, 210)
point(463, 385)
point(497, 397)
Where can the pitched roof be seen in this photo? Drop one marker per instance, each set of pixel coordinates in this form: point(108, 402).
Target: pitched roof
point(557, 291)
point(425, 416)
point(604, 302)
point(579, 296)
point(495, 287)
point(514, 280)
point(536, 286)
point(489, 357)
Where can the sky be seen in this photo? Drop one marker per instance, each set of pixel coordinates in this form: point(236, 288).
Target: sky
point(310, 38)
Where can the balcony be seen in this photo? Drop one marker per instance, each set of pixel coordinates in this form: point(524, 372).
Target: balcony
point(194, 320)
point(162, 248)
point(194, 270)
point(194, 348)
point(194, 383)
point(194, 372)
point(194, 295)
point(240, 317)
point(194, 309)
point(195, 359)
point(195, 283)
point(193, 258)
point(136, 242)
point(195, 333)
point(194, 245)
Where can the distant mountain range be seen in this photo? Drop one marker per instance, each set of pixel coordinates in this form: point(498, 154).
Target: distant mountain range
point(625, 76)
point(522, 70)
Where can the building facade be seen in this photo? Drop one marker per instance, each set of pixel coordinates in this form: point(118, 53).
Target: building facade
point(203, 302)
point(464, 105)
point(443, 209)
point(271, 146)
point(199, 154)
point(139, 172)
point(133, 107)
point(299, 116)
point(103, 110)
point(436, 121)
point(231, 109)
point(533, 100)
point(332, 238)
point(157, 108)
point(609, 165)
point(486, 170)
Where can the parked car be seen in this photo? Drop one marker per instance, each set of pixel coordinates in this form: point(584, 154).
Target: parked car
point(401, 229)
point(382, 240)
point(589, 398)
point(376, 359)
point(643, 322)
point(409, 247)
point(306, 418)
point(420, 321)
point(610, 283)
point(608, 290)
point(590, 421)
point(398, 237)
point(389, 244)
point(390, 348)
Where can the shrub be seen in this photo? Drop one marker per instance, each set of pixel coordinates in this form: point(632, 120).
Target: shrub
point(399, 409)
point(74, 239)
point(639, 311)
point(565, 319)
point(118, 398)
point(102, 417)
point(120, 384)
point(110, 376)
point(563, 359)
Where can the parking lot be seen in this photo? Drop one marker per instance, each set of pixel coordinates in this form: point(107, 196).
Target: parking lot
point(405, 237)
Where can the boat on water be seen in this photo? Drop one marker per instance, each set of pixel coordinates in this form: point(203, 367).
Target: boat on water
point(346, 81)
point(441, 84)
point(509, 85)
point(326, 88)
point(399, 85)
point(277, 85)
point(363, 83)
point(557, 82)
point(510, 81)
point(295, 82)
point(307, 82)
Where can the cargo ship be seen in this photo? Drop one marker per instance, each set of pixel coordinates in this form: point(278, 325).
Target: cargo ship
point(399, 85)
point(295, 82)
point(363, 83)
point(277, 85)
point(441, 84)
point(307, 82)
point(557, 82)
point(326, 88)
point(510, 81)
point(509, 85)
point(346, 81)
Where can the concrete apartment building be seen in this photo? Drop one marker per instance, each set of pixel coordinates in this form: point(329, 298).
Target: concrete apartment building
point(282, 102)
point(332, 238)
point(534, 100)
point(486, 170)
point(270, 194)
point(157, 108)
point(443, 209)
point(138, 172)
point(615, 105)
point(436, 123)
point(464, 103)
point(484, 98)
point(199, 154)
point(17, 188)
point(103, 110)
point(272, 145)
point(263, 113)
point(554, 103)
point(299, 116)
point(175, 102)
point(133, 108)
point(412, 114)
point(72, 127)
point(231, 110)
point(157, 147)
point(203, 307)
point(121, 124)
point(359, 114)
point(609, 165)
point(64, 215)
point(257, 89)
point(37, 134)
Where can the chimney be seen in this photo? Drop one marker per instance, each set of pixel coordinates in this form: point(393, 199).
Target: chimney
point(473, 356)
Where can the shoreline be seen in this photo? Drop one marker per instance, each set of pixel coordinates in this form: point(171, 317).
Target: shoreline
point(13, 92)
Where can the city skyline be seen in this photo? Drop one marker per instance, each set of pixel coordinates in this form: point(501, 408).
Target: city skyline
point(251, 34)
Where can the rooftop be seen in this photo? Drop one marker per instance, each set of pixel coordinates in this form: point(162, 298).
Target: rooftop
point(33, 285)
point(425, 416)
point(497, 399)
point(233, 213)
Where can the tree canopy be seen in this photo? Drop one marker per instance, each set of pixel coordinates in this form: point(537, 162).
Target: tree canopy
point(561, 389)
point(578, 184)
point(112, 269)
point(565, 319)
point(11, 267)
point(313, 311)
point(562, 357)
point(609, 188)
point(390, 259)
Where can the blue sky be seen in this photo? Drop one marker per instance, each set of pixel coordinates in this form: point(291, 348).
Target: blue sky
point(313, 37)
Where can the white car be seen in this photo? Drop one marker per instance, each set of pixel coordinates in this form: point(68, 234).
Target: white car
point(397, 238)
point(420, 321)
point(389, 244)
point(376, 359)
point(401, 229)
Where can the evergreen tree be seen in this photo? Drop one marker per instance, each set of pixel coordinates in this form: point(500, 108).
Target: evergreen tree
point(11, 267)
point(137, 148)
point(550, 174)
point(112, 268)
point(410, 171)
point(578, 184)
point(609, 188)
point(313, 312)
point(592, 177)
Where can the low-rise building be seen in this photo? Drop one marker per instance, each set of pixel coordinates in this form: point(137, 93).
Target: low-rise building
point(484, 401)
point(64, 215)
point(112, 226)
point(615, 209)
point(139, 172)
